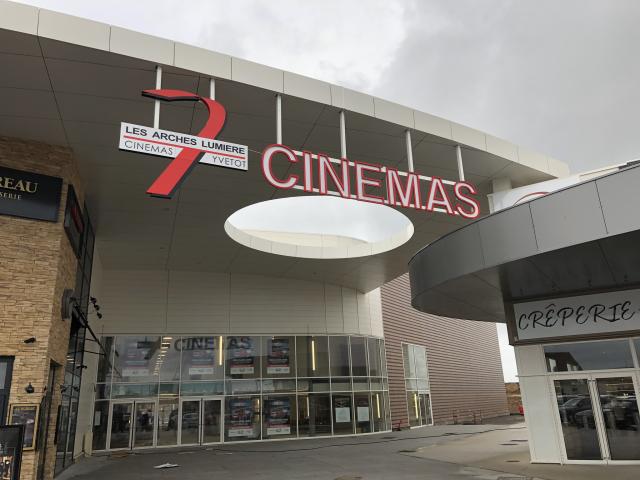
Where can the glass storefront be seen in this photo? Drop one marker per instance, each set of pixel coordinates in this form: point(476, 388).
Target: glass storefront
point(596, 386)
point(416, 374)
point(177, 390)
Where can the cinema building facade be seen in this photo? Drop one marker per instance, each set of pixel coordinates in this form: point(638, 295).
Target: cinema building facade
point(197, 249)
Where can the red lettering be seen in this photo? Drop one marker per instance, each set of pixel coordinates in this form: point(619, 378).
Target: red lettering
point(438, 197)
point(362, 182)
point(325, 167)
point(467, 200)
point(411, 189)
point(267, 171)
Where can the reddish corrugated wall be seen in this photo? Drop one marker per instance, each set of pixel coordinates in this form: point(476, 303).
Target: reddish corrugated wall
point(463, 356)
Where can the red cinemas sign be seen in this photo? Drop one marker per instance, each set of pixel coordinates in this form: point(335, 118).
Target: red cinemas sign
point(318, 173)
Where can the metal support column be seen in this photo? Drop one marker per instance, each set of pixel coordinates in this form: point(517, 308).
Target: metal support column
point(212, 88)
point(459, 158)
point(409, 151)
point(343, 136)
point(278, 118)
point(156, 106)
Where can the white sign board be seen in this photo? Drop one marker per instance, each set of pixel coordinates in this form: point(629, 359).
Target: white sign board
point(582, 315)
point(163, 143)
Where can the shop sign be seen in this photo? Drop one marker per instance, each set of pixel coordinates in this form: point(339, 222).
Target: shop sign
point(187, 150)
point(29, 195)
point(602, 313)
point(368, 182)
point(27, 415)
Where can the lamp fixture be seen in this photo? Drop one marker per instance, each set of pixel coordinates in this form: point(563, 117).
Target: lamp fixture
point(29, 340)
point(29, 388)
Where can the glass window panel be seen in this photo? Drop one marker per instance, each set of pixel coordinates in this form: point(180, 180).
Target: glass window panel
point(202, 358)
point(244, 386)
point(376, 383)
point(407, 358)
point(383, 358)
point(202, 388)
point(423, 385)
point(341, 384)
point(278, 356)
point(378, 411)
point(100, 423)
point(413, 406)
point(279, 420)
point(420, 355)
point(342, 414)
point(132, 390)
point(103, 391)
point(339, 356)
point(373, 347)
point(278, 385)
point(312, 355)
point(168, 421)
point(313, 384)
point(619, 406)
point(576, 415)
point(121, 425)
point(409, 385)
point(169, 389)
point(361, 384)
point(242, 418)
point(570, 357)
point(358, 356)
point(314, 415)
point(167, 363)
point(135, 358)
point(243, 357)
point(363, 412)
point(425, 409)
point(144, 424)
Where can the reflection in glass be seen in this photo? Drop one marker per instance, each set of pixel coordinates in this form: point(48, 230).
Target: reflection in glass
point(314, 415)
point(132, 390)
point(100, 423)
point(190, 418)
point(619, 405)
point(571, 357)
point(341, 384)
point(211, 421)
point(145, 420)
point(375, 368)
point(168, 421)
point(342, 415)
point(168, 360)
point(312, 354)
point(576, 416)
point(202, 388)
point(407, 357)
point(379, 410)
point(242, 418)
point(104, 361)
point(135, 359)
point(313, 385)
point(339, 356)
point(279, 417)
point(425, 409)
point(120, 425)
point(413, 408)
point(278, 385)
point(359, 356)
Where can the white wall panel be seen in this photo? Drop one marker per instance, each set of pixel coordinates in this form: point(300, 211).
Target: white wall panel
point(540, 418)
point(205, 302)
point(530, 360)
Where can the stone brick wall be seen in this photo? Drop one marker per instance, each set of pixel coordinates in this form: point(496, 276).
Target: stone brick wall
point(36, 264)
point(514, 399)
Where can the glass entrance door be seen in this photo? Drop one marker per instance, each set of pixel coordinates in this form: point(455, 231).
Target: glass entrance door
point(132, 424)
point(120, 432)
point(599, 418)
point(201, 421)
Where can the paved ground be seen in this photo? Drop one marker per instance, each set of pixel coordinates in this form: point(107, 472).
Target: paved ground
point(487, 452)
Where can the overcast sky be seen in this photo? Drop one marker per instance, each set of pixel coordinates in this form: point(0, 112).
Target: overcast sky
point(560, 77)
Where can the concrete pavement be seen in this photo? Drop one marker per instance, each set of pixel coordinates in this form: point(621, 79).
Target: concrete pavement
point(489, 452)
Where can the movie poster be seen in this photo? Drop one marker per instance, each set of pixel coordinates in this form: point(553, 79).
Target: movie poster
point(242, 355)
point(278, 356)
point(278, 416)
point(240, 417)
point(137, 355)
point(199, 353)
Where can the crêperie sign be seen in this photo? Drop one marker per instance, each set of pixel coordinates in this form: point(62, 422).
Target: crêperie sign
point(602, 313)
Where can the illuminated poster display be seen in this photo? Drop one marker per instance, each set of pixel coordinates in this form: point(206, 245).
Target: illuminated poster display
point(242, 354)
point(278, 356)
point(240, 417)
point(278, 416)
